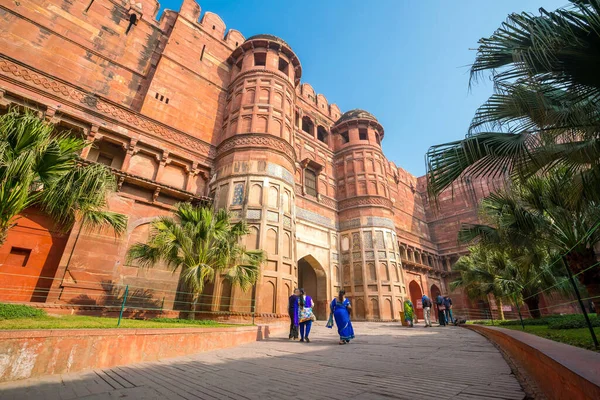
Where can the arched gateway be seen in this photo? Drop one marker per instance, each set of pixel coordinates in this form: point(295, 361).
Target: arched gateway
point(415, 297)
point(312, 277)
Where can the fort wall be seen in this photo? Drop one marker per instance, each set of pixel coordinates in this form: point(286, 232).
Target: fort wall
point(183, 109)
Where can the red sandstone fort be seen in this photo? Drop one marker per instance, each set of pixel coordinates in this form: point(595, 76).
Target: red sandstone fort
point(183, 109)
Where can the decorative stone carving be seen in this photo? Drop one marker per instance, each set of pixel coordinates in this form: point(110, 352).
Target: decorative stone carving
point(365, 201)
point(314, 218)
point(258, 141)
point(238, 195)
point(253, 214)
point(109, 109)
point(368, 240)
point(356, 241)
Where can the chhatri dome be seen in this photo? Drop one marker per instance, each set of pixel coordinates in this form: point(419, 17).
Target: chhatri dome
point(356, 114)
point(269, 37)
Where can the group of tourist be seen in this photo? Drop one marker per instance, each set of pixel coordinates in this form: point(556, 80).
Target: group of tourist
point(300, 310)
point(444, 307)
point(301, 315)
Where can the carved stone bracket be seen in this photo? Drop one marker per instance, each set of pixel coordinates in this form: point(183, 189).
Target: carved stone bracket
point(155, 194)
point(4, 102)
point(120, 183)
point(50, 115)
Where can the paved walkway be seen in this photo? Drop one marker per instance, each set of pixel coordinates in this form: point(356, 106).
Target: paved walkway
point(386, 361)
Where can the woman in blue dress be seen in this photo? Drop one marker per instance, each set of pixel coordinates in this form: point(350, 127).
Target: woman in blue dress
point(340, 308)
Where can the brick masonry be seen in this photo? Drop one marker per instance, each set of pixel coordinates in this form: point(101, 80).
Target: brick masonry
point(34, 353)
point(181, 109)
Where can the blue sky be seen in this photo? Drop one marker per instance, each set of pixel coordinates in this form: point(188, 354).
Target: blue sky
point(404, 61)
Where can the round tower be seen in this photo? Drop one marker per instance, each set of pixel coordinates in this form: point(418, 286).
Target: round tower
point(255, 164)
point(371, 269)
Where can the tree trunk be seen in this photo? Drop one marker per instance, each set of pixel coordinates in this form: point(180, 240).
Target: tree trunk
point(533, 303)
point(500, 310)
point(3, 235)
point(590, 279)
point(194, 306)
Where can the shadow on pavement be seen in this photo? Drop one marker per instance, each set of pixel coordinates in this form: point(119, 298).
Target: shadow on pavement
point(383, 362)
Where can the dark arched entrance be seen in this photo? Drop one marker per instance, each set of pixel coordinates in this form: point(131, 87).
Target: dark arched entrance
point(415, 297)
point(435, 292)
point(311, 277)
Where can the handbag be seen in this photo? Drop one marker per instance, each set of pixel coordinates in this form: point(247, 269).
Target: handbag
point(330, 321)
point(306, 314)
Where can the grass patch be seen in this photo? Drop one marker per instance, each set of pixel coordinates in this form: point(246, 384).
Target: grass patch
point(570, 321)
point(86, 322)
point(185, 321)
point(579, 337)
point(14, 311)
point(570, 329)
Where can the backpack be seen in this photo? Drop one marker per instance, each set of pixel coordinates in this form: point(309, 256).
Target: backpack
point(426, 302)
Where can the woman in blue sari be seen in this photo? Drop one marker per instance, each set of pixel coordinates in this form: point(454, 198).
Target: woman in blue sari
point(340, 308)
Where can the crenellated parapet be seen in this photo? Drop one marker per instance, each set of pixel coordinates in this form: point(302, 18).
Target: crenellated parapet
point(211, 23)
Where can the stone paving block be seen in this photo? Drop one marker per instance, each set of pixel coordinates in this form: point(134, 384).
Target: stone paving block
point(386, 361)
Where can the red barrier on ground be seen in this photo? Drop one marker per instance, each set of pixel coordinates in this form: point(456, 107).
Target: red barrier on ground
point(560, 371)
point(35, 353)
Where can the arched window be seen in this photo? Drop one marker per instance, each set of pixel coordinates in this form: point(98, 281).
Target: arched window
point(322, 134)
point(310, 182)
point(307, 125)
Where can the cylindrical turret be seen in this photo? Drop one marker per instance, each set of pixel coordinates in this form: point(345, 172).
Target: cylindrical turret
point(371, 268)
point(255, 166)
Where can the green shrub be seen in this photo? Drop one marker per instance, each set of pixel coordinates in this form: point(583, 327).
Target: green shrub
point(186, 321)
point(529, 321)
point(14, 311)
point(570, 321)
point(573, 322)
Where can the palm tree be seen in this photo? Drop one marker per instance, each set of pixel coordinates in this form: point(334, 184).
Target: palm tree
point(479, 275)
point(540, 214)
point(507, 274)
point(201, 244)
point(546, 109)
point(41, 167)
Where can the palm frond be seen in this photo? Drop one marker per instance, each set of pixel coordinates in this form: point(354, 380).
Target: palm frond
point(200, 243)
point(98, 219)
point(469, 233)
point(40, 166)
point(489, 154)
